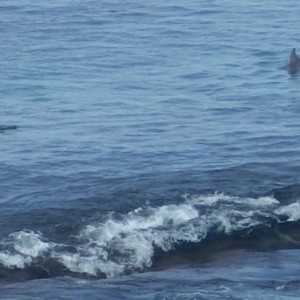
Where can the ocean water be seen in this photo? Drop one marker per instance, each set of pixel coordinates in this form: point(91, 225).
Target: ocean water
point(157, 150)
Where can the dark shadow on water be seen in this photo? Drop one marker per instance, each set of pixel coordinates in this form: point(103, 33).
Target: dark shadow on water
point(8, 127)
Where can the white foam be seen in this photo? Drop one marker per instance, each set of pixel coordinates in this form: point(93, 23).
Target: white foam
point(136, 227)
point(88, 264)
point(10, 260)
point(27, 246)
point(292, 211)
point(29, 243)
point(232, 220)
point(131, 239)
point(213, 199)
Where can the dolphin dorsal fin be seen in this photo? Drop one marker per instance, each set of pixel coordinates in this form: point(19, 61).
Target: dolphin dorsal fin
point(294, 57)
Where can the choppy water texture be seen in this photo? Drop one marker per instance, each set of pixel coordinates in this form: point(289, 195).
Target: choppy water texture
point(156, 154)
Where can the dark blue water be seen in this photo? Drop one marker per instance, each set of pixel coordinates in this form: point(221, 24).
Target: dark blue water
point(156, 154)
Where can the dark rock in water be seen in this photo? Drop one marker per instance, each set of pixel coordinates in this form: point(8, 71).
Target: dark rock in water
point(3, 127)
point(287, 194)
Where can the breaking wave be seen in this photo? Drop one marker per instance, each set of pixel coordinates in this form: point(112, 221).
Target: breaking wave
point(133, 242)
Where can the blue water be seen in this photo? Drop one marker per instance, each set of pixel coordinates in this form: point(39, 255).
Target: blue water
point(157, 150)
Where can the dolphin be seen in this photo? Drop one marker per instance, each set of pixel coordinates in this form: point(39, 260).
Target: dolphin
point(4, 127)
point(294, 64)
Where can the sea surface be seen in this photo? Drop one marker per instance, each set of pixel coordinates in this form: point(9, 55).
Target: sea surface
point(157, 150)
